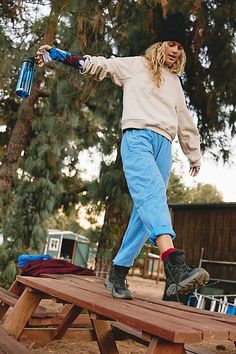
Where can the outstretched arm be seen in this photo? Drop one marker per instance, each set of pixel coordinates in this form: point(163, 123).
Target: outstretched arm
point(98, 67)
point(46, 54)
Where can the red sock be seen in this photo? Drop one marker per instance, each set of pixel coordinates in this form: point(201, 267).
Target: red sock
point(165, 255)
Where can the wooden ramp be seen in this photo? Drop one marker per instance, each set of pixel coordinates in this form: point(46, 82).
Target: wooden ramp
point(164, 327)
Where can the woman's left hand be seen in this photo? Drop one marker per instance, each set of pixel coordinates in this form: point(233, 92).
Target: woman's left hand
point(39, 55)
point(194, 171)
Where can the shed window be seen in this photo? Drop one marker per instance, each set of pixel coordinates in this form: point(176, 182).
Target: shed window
point(53, 244)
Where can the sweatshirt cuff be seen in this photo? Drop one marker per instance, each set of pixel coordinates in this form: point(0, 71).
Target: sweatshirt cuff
point(195, 163)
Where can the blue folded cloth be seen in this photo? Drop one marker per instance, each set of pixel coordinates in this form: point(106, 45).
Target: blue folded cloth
point(27, 258)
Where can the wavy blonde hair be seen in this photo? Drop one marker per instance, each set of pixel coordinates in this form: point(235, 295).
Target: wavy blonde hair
point(155, 56)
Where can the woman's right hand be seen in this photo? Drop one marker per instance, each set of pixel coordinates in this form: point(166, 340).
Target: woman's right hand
point(39, 56)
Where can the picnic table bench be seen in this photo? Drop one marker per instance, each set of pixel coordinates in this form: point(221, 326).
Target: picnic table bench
point(165, 327)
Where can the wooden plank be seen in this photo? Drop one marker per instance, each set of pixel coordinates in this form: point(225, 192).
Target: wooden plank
point(66, 308)
point(189, 309)
point(122, 311)
point(214, 224)
point(81, 321)
point(112, 301)
point(145, 339)
point(16, 288)
point(72, 314)
point(210, 328)
point(95, 316)
point(21, 312)
point(122, 332)
point(45, 335)
point(192, 349)
point(105, 337)
point(75, 277)
point(8, 345)
point(161, 347)
point(8, 293)
point(229, 272)
point(88, 284)
point(8, 298)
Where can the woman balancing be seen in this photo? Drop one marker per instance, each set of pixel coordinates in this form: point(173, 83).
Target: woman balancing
point(154, 111)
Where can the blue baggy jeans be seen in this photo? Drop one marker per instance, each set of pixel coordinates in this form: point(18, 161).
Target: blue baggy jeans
point(147, 159)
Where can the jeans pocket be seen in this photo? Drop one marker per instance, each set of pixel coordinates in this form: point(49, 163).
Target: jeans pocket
point(135, 141)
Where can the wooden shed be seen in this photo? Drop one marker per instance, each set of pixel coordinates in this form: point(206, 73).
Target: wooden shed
point(67, 245)
point(212, 227)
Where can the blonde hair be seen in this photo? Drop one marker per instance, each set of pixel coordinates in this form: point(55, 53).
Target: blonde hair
point(155, 56)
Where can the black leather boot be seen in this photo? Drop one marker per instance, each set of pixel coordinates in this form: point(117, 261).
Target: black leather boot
point(180, 278)
point(116, 282)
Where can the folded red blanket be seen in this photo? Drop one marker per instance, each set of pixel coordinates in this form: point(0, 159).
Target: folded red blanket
point(54, 266)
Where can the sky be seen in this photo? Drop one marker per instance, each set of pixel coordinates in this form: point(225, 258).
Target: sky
point(221, 175)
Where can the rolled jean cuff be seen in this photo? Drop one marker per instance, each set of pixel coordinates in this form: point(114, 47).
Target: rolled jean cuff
point(155, 235)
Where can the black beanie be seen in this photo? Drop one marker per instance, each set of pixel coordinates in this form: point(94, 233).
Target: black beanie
point(173, 29)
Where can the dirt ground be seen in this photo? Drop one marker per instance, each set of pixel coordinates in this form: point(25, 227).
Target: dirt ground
point(142, 287)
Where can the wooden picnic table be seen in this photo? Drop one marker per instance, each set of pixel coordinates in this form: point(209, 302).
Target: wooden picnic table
point(164, 326)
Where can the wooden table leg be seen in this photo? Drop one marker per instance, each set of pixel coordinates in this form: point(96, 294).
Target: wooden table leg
point(72, 314)
point(16, 288)
point(21, 313)
point(105, 338)
point(3, 310)
point(164, 347)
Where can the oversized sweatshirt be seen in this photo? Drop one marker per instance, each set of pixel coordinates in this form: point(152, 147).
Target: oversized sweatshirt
point(145, 105)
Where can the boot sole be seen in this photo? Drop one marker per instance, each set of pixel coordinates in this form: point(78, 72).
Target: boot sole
point(194, 282)
point(109, 286)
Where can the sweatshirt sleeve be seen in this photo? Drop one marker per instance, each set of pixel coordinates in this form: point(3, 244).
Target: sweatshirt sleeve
point(188, 134)
point(98, 67)
point(118, 69)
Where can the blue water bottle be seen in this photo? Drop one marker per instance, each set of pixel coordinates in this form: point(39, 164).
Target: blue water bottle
point(25, 79)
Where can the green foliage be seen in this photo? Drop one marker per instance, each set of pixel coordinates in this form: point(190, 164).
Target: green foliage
point(93, 234)
point(204, 193)
point(8, 261)
point(177, 192)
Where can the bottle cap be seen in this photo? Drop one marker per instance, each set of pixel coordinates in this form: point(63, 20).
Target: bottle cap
point(29, 60)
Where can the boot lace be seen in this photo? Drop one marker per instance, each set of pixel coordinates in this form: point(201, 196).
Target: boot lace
point(176, 269)
point(119, 283)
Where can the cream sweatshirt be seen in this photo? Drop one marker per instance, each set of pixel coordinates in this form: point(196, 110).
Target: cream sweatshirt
point(161, 109)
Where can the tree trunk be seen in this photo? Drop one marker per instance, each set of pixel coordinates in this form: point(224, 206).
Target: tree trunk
point(21, 134)
point(19, 139)
point(113, 229)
